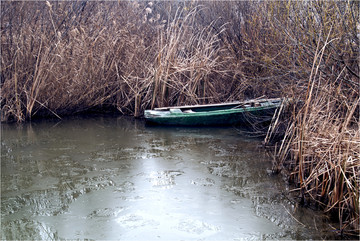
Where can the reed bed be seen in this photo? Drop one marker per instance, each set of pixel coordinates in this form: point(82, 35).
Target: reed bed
point(67, 57)
point(53, 63)
point(320, 150)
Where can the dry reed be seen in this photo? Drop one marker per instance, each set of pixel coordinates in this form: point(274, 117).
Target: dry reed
point(321, 149)
point(320, 146)
point(66, 57)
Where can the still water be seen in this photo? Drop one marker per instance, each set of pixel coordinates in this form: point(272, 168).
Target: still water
point(115, 178)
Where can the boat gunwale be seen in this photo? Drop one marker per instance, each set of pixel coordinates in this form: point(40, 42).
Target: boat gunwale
point(168, 114)
point(217, 105)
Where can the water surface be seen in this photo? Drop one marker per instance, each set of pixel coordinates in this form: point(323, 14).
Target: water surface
point(114, 178)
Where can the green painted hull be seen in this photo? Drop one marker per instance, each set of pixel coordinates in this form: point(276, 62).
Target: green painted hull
point(238, 113)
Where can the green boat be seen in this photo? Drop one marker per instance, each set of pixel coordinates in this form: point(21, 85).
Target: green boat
point(234, 113)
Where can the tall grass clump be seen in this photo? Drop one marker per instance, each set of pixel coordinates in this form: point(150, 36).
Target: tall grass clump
point(65, 57)
point(273, 43)
point(61, 57)
point(187, 66)
point(320, 148)
point(321, 152)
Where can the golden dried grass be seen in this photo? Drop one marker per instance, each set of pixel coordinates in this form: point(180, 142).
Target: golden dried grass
point(321, 151)
point(67, 57)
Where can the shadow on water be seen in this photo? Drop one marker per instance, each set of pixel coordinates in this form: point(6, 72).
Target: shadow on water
point(115, 178)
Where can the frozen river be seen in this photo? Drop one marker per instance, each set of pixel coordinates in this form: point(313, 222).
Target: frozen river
point(114, 178)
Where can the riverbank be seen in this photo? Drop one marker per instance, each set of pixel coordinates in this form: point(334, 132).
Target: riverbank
point(61, 58)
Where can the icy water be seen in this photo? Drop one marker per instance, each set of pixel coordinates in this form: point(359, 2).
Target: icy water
point(110, 178)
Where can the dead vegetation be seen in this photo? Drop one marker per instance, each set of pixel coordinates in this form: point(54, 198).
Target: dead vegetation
point(320, 147)
point(320, 153)
point(64, 57)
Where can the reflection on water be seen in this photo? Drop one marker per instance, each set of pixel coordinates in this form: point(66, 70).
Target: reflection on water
point(114, 178)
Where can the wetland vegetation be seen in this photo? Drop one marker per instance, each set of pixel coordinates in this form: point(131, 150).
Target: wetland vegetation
point(64, 57)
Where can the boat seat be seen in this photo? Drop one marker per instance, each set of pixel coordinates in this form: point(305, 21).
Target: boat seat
point(175, 110)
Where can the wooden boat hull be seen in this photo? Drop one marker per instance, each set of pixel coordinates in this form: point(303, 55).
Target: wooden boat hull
point(236, 113)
